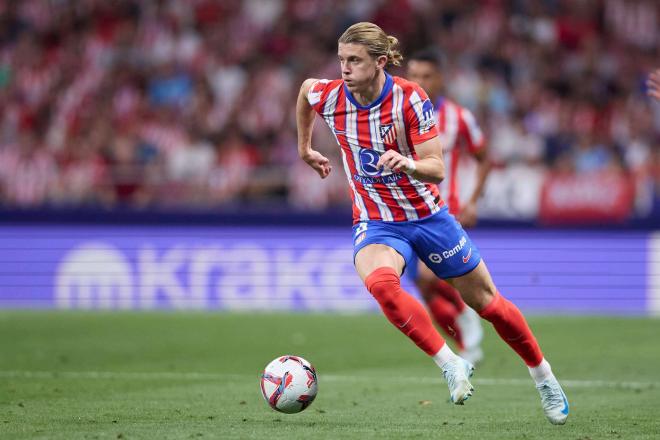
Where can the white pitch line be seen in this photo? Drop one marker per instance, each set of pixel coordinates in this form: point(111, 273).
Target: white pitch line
point(570, 383)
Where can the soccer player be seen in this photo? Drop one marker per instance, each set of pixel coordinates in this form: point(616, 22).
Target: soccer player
point(653, 84)
point(460, 136)
point(392, 156)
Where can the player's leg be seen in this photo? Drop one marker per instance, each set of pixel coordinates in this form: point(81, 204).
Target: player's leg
point(447, 249)
point(479, 292)
point(443, 311)
point(467, 320)
point(449, 293)
point(448, 310)
point(380, 266)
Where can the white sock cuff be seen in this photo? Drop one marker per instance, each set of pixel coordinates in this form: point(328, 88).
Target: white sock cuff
point(541, 372)
point(444, 355)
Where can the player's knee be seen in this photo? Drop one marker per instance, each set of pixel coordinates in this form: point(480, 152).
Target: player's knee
point(384, 284)
point(480, 298)
point(384, 293)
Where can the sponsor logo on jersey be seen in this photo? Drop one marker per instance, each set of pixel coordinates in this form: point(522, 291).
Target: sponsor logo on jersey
point(366, 180)
point(435, 258)
point(369, 162)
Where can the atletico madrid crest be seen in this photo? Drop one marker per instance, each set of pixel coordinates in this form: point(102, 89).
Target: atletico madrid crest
point(388, 133)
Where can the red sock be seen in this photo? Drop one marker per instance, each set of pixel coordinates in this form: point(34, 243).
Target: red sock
point(510, 324)
point(444, 313)
point(404, 311)
point(452, 295)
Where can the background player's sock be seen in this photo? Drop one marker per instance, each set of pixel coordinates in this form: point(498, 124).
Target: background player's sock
point(510, 324)
point(470, 324)
point(541, 372)
point(444, 314)
point(472, 333)
point(448, 292)
point(403, 310)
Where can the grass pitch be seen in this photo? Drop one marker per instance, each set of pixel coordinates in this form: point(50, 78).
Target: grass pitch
point(76, 375)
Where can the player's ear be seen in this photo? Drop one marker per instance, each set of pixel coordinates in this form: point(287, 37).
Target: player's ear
point(381, 61)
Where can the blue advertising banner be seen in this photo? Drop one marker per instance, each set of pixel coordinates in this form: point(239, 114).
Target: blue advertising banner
point(303, 269)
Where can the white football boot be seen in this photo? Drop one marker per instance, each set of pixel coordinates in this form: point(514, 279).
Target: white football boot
point(553, 400)
point(457, 372)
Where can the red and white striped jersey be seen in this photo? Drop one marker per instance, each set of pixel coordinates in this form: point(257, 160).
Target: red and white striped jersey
point(399, 119)
point(460, 135)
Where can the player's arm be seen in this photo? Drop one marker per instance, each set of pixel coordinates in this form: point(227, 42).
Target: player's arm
point(429, 166)
point(305, 115)
point(468, 215)
point(653, 84)
point(484, 166)
point(471, 134)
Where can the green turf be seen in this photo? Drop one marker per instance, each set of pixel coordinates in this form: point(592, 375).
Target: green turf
point(371, 379)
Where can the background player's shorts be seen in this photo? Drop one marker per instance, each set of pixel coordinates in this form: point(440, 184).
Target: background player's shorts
point(438, 240)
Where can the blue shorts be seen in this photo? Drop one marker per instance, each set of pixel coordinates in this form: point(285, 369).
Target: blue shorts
point(438, 240)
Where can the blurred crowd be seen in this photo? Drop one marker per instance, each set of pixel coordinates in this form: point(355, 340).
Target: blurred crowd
point(191, 103)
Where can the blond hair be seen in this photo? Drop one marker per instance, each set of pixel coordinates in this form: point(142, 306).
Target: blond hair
point(378, 43)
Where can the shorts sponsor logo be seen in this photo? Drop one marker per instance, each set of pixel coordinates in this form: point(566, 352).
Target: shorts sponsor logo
point(437, 257)
point(456, 249)
point(467, 257)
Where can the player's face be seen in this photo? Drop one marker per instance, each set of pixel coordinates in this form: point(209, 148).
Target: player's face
point(426, 75)
point(358, 68)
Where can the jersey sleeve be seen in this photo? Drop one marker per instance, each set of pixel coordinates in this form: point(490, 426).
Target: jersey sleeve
point(420, 116)
point(317, 94)
point(474, 137)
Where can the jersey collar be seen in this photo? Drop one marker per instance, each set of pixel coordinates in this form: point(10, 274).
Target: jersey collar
point(389, 82)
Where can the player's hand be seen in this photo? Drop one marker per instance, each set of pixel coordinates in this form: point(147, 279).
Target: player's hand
point(395, 162)
point(653, 83)
point(468, 215)
point(319, 162)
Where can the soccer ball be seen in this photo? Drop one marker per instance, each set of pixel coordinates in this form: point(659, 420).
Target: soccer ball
point(289, 384)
